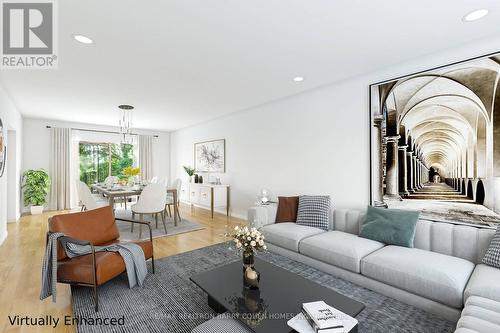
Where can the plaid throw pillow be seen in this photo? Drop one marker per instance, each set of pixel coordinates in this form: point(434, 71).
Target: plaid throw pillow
point(314, 211)
point(492, 256)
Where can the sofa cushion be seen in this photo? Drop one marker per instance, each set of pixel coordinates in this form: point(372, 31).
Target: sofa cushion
point(476, 325)
point(480, 315)
point(314, 211)
point(482, 308)
point(390, 226)
point(339, 248)
point(287, 209)
point(484, 282)
point(462, 241)
point(288, 235)
point(432, 275)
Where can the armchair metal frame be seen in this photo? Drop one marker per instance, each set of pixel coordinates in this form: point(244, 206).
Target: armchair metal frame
point(94, 285)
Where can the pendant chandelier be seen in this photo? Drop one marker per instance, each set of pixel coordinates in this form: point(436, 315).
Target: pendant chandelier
point(126, 123)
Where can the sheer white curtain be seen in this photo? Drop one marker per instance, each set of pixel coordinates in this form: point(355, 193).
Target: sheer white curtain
point(60, 169)
point(146, 156)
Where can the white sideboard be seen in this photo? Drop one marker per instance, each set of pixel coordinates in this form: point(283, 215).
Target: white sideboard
point(206, 195)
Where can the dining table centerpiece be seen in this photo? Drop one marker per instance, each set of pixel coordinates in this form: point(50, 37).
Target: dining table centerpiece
point(247, 241)
point(131, 174)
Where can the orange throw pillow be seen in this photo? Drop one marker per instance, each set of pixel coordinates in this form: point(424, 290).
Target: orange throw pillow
point(287, 209)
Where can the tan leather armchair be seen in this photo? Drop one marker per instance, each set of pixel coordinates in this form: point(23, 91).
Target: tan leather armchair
point(95, 228)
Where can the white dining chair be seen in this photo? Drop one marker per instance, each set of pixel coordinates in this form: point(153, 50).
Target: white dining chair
point(170, 198)
point(154, 180)
point(86, 199)
point(79, 194)
point(164, 182)
point(151, 201)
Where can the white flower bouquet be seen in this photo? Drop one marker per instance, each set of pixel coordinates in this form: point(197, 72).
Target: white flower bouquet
point(247, 240)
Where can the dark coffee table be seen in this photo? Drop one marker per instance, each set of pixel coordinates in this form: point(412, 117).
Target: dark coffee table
point(279, 298)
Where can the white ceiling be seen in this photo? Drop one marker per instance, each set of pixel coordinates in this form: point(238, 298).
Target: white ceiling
point(183, 62)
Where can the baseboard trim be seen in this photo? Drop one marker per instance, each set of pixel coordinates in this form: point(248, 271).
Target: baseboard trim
point(219, 211)
point(15, 220)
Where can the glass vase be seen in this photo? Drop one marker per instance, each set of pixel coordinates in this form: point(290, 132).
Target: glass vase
point(248, 259)
point(131, 181)
point(251, 276)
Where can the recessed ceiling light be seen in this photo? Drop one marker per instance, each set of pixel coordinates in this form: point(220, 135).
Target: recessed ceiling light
point(298, 78)
point(475, 15)
point(83, 39)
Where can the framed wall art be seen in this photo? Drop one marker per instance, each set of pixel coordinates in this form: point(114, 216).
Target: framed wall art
point(210, 156)
point(435, 142)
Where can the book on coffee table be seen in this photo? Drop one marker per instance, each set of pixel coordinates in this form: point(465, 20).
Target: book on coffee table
point(319, 317)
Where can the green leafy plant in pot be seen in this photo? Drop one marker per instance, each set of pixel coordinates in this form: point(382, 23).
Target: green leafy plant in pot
point(36, 184)
point(189, 171)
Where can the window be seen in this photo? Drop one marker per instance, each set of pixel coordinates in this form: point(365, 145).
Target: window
point(100, 160)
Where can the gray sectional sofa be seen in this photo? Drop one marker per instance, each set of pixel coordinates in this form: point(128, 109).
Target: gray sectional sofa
point(441, 274)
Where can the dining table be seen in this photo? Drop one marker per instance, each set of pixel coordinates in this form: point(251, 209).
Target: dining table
point(125, 191)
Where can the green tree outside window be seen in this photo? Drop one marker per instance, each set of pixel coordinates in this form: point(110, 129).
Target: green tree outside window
point(100, 160)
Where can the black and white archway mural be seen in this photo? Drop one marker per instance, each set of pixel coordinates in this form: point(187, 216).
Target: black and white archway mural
point(436, 142)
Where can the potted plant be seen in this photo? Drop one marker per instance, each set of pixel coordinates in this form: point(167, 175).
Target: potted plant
point(36, 184)
point(189, 171)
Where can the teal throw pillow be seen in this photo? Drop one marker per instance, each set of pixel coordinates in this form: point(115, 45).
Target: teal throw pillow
point(390, 226)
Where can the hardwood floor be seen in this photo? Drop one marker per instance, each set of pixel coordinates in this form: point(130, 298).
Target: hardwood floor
point(21, 260)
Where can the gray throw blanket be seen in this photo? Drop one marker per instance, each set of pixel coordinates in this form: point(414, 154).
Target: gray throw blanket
point(132, 255)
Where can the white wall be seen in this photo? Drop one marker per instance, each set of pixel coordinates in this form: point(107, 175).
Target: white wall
point(312, 143)
point(13, 174)
point(9, 183)
point(36, 152)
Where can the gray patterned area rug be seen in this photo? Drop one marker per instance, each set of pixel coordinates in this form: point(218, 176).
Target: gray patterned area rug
point(124, 228)
point(170, 302)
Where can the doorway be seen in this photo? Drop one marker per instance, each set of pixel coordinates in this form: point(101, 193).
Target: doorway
point(480, 193)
